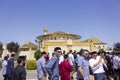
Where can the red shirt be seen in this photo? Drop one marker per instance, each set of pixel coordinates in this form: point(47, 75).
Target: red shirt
point(47, 57)
point(65, 69)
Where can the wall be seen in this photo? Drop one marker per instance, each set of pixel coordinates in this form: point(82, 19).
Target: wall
point(29, 54)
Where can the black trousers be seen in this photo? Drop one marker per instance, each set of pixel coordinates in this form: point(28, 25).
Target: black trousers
point(116, 74)
point(5, 77)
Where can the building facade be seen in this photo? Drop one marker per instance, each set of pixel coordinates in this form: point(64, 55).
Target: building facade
point(67, 41)
point(47, 42)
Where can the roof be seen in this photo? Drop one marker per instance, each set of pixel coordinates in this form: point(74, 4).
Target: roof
point(94, 40)
point(29, 45)
point(59, 33)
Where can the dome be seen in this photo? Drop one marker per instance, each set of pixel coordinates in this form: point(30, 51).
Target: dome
point(94, 40)
point(59, 32)
point(59, 35)
point(29, 45)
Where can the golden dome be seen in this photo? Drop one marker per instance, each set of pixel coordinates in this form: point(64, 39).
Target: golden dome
point(59, 35)
point(29, 45)
point(94, 40)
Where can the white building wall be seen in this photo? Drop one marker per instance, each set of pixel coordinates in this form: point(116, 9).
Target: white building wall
point(102, 46)
point(5, 51)
point(78, 48)
point(29, 54)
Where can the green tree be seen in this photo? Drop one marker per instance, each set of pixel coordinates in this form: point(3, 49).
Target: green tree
point(101, 51)
point(116, 47)
point(13, 47)
point(37, 54)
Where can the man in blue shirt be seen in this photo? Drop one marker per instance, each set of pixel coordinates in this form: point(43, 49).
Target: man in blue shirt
point(83, 66)
point(52, 66)
point(41, 73)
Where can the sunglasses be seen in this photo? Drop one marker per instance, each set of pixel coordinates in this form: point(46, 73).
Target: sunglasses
point(95, 54)
point(59, 51)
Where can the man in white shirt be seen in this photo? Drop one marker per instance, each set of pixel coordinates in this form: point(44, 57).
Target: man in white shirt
point(116, 66)
point(96, 63)
point(61, 58)
point(4, 68)
point(71, 61)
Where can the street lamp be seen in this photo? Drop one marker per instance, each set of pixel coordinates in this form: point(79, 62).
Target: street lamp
point(39, 42)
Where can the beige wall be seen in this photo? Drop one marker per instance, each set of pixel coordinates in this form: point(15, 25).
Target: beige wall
point(78, 48)
point(100, 46)
point(29, 54)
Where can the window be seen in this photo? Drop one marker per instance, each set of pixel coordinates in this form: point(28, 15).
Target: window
point(54, 38)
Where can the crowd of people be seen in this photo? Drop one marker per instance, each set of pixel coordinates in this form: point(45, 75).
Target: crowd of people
point(11, 73)
point(103, 65)
point(62, 65)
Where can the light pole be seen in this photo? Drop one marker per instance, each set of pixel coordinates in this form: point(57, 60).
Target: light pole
point(39, 42)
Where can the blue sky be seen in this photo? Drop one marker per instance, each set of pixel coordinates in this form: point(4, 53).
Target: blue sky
point(22, 20)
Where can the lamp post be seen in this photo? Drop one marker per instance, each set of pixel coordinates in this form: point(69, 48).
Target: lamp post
point(39, 42)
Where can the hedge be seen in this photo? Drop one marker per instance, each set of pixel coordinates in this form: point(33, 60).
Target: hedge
point(31, 65)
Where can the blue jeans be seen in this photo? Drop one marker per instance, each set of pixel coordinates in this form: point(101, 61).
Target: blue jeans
point(99, 76)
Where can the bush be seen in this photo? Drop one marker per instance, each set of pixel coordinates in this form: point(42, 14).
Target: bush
point(37, 54)
point(101, 51)
point(31, 65)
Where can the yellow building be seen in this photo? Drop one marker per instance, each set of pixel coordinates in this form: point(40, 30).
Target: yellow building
point(28, 49)
point(67, 41)
point(97, 44)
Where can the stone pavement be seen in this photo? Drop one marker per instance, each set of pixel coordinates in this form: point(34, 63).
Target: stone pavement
point(32, 75)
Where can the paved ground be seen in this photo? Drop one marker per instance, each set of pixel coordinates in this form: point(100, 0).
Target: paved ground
point(32, 75)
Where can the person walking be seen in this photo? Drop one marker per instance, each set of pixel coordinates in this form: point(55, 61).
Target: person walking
point(20, 71)
point(72, 63)
point(10, 68)
point(97, 64)
point(52, 66)
point(41, 73)
point(65, 69)
point(4, 68)
point(83, 66)
point(116, 66)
